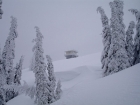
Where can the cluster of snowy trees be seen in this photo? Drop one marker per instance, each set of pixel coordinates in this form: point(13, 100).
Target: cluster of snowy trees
point(8, 74)
point(45, 90)
point(120, 50)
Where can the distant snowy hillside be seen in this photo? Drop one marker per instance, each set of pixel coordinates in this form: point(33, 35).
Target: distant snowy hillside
point(82, 84)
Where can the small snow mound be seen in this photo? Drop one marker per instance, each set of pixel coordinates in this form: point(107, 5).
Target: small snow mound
point(68, 64)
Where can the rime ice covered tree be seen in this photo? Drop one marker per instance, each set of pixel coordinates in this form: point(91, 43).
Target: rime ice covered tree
point(52, 80)
point(58, 91)
point(129, 41)
point(106, 38)
point(8, 55)
point(136, 56)
point(18, 71)
point(9, 51)
point(41, 78)
point(117, 53)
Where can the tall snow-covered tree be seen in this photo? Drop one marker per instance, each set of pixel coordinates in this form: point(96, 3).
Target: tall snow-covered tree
point(41, 78)
point(117, 53)
point(129, 41)
point(106, 34)
point(136, 56)
point(9, 51)
point(18, 71)
point(58, 91)
point(52, 80)
point(8, 55)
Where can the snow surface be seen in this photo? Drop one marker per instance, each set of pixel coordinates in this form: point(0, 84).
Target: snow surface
point(82, 84)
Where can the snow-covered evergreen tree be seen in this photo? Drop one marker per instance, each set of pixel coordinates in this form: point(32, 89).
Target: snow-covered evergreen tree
point(41, 78)
point(9, 51)
point(52, 80)
point(106, 38)
point(8, 55)
point(117, 53)
point(58, 91)
point(136, 56)
point(129, 41)
point(18, 71)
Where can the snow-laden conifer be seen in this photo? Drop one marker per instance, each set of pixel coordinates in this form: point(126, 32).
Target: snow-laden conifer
point(58, 91)
point(52, 79)
point(117, 53)
point(41, 78)
point(129, 41)
point(9, 51)
point(136, 56)
point(106, 34)
point(8, 55)
point(18, 71)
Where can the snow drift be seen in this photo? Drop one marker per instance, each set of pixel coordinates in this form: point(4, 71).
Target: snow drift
point(82, 84)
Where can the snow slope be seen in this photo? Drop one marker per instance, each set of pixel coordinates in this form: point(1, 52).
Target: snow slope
point(82, 84)
point(122, 88)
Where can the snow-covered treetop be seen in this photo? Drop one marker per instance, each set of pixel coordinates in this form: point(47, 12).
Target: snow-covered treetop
point(130, 29)
point(48, 58)
point(137, 14)
point(21, 61)
point(13, 29)
point(103, 16)
point(38, 40)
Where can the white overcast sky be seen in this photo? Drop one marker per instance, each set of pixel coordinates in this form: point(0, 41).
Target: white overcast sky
point(65, 24)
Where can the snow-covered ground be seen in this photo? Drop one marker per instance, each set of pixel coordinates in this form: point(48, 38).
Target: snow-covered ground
point(82, 84)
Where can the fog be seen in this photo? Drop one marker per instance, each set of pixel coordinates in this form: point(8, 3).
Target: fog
point(65, 25)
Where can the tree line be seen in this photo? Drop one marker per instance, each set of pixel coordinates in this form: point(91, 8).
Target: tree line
point(45, 91)
point(120, 49)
